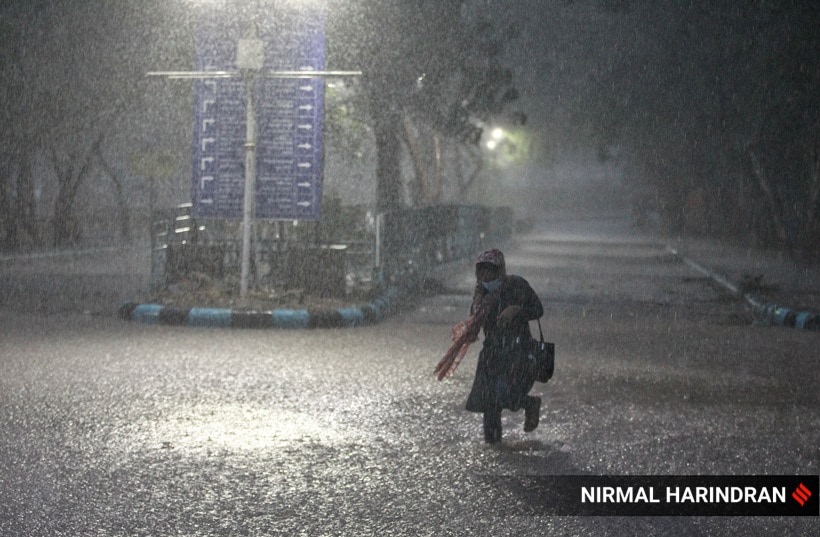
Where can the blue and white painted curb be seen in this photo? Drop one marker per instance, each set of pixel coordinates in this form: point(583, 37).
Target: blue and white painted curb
point(801, 320)
point(771, 314)
point(370, 313)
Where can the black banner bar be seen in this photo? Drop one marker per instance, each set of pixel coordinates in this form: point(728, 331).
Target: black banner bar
point(659, 495)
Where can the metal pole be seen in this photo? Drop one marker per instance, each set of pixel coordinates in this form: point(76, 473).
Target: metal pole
point(250, 184)
point(378, 260)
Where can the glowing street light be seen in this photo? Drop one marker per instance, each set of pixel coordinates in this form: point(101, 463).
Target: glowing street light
point(496, 136)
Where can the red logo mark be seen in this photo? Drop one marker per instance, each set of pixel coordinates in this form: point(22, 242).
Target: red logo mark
point(801, 494)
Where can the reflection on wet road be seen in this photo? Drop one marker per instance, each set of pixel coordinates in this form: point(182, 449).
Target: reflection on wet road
point(115, 428)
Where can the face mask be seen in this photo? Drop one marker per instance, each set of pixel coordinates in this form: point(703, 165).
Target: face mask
point(492, 285)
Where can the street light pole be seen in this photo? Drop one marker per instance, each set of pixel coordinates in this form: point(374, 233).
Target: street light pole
point(250, 58)
point(250, 186)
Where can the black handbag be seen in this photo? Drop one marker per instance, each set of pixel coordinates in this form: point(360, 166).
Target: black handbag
point(540, 356)
point(534, 358)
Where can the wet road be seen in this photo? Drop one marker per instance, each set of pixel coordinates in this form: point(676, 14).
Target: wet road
point(116, 428)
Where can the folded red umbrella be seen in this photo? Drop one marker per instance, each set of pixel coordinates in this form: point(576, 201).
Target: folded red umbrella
point(463, 334)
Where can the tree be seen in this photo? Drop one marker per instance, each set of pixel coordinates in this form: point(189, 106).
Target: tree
point(723, 115)
point(75, 92)
point(91, 83)
point(20, 116)
point(430, 72)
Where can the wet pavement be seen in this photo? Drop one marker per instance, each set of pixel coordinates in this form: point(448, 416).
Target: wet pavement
point(117, 428)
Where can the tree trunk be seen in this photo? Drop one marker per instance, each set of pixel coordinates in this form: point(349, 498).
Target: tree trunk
point(388, 170)
point(435, 193)
point(6, 218)
point(27, 231)
point(813, 197)
point(812, 232)
point(427, 186)
point(773, 204)
point(70, 176)
point(122, 206)
point(465, 183)
point(419, 190)
point(64, 226)
point(18, 221)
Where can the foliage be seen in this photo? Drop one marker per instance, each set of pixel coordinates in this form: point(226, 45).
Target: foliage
point(431, 70)
point(73, 80)
point(721, 121)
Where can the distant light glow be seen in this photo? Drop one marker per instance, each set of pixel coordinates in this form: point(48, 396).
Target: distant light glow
point(492, 144)
point(497, 133)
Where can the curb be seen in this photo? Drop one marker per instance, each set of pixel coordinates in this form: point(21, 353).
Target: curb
point(771, 314)
point(370, 313)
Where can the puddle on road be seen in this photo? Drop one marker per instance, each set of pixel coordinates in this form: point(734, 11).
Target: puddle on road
point(235, 428)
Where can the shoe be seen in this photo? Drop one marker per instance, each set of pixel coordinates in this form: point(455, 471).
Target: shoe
point(492, 426)
point(492, 436)
point(532, 414)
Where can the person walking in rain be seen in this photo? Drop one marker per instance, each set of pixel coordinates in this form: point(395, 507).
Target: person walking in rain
point(503, 304)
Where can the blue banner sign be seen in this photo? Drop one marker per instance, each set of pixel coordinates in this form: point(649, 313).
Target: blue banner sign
point(289, 115)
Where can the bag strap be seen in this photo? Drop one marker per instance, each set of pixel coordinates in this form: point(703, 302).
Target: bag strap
point(540, 332)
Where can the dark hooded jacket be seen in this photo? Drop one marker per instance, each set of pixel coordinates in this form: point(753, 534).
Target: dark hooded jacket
point(498, 383)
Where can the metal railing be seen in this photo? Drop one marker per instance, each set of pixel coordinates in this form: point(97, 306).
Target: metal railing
point(350, 250)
